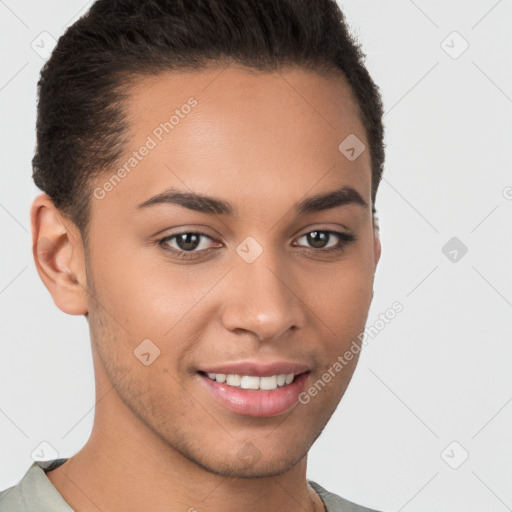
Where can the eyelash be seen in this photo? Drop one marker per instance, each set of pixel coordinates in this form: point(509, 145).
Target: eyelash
point(344, 240)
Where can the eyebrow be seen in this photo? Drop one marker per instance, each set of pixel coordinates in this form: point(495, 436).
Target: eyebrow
point(213, 205)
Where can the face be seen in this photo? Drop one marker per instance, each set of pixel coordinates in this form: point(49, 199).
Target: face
point(258, 281)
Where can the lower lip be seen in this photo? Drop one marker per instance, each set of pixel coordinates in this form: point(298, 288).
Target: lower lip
point(254, 402)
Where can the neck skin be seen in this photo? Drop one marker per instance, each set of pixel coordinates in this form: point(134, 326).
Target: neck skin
point(125, 466)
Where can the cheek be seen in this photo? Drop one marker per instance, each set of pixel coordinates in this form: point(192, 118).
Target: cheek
point(343, 292)
point(144, 292)
point(342, 298)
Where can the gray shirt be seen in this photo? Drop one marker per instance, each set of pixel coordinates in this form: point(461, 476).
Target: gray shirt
point(35, 493)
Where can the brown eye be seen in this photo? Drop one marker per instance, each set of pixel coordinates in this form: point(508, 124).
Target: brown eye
point(318, 239)
point(188, 241)
point(321, 240)
point(186, 244)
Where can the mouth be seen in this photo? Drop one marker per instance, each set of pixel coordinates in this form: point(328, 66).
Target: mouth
point(268, 383)
point(257, 391)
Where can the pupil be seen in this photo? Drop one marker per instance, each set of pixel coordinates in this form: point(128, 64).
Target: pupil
point(318, 242)
point(184, 241)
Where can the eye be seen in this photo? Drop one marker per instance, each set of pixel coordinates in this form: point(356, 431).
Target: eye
point(191, 244)
point(187, 242)
point(320, 240)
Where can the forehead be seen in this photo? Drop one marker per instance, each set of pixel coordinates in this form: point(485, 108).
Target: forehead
point(231, 93)
point(232, 131)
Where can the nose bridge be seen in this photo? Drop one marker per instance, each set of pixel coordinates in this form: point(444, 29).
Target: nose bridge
point(262, 298)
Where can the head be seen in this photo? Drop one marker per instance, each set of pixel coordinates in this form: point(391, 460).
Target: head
point(198, 207)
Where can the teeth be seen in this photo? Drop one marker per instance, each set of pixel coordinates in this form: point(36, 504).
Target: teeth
point(249, 382)
point(252, 382)
point(233, 380)
point(269, 382)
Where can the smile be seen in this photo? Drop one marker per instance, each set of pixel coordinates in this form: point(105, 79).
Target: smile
point(268, 383)
point(251, 395)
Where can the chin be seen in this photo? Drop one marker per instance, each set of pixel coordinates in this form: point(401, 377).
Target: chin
point(259, 470)
point(248, 462)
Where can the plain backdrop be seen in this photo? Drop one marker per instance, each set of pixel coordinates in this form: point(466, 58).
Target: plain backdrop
point(426, 421)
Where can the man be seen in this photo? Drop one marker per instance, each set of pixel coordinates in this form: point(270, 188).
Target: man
point(209, 170)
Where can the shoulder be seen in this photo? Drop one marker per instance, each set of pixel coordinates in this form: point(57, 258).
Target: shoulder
point(34, 492)
point(11, 500)
point(335, 503)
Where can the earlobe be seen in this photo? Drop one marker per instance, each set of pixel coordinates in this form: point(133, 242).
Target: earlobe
point(58, 255)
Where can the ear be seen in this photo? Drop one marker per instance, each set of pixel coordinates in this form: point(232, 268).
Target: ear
point(377, 248)
point(59, 256)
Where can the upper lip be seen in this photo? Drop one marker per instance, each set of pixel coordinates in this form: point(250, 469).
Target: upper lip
point(257, 369)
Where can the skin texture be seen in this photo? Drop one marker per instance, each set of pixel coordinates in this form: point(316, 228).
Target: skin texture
point(263, 142)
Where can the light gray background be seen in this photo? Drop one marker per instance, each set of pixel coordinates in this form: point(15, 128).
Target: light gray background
point(438, 373)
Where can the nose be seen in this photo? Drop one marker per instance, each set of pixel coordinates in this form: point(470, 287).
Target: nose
point(260, 298)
